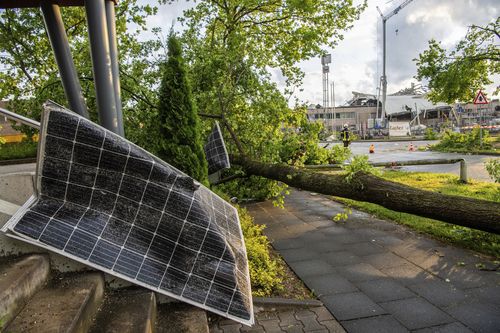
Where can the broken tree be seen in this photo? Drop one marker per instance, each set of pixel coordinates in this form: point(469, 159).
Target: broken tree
point(473, 213)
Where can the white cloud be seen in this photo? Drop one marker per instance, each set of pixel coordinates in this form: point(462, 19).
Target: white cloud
point(357, 60)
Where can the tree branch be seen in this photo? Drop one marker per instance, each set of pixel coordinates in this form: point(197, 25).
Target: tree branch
point(229, 178)
point(206, 115)
point(486, 29)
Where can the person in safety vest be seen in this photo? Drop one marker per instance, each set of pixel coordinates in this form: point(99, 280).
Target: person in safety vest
point(345, 135)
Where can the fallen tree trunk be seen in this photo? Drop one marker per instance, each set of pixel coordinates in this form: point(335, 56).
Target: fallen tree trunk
point(473, 213)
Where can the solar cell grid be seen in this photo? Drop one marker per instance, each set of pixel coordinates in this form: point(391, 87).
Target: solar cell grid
point(215, 151)
point(105, 202)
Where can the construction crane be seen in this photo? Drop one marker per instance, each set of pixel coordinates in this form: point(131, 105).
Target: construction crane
point(383, 78)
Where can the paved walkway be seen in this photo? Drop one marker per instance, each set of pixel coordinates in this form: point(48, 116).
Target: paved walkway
point(275, 320)
point(376, 276)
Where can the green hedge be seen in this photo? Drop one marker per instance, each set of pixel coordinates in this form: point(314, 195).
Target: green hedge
point(17, 150)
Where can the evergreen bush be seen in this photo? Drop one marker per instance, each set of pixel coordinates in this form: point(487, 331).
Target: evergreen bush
point(180, 142)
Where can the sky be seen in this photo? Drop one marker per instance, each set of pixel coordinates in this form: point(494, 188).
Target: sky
point(357, 60)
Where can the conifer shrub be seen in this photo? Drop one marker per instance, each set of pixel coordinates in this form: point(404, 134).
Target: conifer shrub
point(180, 142)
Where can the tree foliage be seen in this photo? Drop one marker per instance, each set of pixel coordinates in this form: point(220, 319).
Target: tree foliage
point(232, 47)
point(179, 139)
point(473, 140)
point(29, 74)
point(458, 75)
point(493, 168)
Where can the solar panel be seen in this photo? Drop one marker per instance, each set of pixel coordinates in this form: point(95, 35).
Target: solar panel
point(105, 202)
point(215, 151)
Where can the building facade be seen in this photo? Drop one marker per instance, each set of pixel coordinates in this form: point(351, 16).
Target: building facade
point(360, 114)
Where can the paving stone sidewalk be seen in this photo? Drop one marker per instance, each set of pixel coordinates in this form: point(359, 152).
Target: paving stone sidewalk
point(376, 276)
point(282, 319)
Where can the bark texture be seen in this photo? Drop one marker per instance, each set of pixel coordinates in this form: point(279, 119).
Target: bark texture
point(473, 213)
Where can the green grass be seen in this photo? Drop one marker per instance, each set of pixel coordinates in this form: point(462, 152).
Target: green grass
point(12, 151)
point(477, 240)
point(446, 184)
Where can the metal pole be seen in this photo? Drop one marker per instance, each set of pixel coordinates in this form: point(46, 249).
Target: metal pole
point(463, 171)
point(113, 52)
point(384, 78)
point(333, 108)
point(327, 98)
point(59, 41)
point(480, 128)
point(101, 64)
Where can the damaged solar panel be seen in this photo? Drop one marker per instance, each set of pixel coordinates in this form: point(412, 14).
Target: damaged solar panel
point(105, 202)
point(215, 151)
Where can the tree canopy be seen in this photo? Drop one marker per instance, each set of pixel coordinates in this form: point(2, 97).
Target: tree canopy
point(457, 75)
point(232, 46)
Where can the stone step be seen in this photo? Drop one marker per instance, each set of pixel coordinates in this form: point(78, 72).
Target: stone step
point(127, 311)
point(20, 279)
point(67, 305)
point(181, 318)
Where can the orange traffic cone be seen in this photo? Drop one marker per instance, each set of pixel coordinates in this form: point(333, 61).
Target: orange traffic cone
point(372, 149)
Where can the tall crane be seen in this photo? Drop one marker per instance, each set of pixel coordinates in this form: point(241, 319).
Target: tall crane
point(383, 78)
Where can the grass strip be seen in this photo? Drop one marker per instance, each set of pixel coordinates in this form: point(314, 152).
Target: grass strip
point(480, 241)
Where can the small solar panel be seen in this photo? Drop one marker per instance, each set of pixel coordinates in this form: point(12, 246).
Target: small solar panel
point(215, 151)
point(105, 202)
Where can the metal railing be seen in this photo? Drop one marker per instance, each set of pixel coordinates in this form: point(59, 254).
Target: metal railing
point(21, 119)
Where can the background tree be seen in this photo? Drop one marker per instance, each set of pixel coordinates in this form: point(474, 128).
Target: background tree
point(29, 74)
point(458, 75)
point(232, 46)
point(179, 142)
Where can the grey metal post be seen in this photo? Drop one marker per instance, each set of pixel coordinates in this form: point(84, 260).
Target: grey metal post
point(463, 171)
point(101, 64)
point(384, 78)
point(113, 52)
point(480, 128)
point(59, 41)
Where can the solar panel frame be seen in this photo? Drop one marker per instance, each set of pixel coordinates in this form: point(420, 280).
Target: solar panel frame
point(194, 282)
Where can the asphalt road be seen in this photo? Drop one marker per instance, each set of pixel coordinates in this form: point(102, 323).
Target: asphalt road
point(398, 151)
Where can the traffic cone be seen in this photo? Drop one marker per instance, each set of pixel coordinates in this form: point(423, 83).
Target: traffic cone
point(372, 149)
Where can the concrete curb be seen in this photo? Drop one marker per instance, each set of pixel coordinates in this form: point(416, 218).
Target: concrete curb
point(271, 301)
point(18, 161)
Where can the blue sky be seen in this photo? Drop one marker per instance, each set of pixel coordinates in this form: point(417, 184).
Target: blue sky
point(357, 61)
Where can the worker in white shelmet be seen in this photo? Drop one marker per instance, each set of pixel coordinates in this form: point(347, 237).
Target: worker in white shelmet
point(345, 136)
